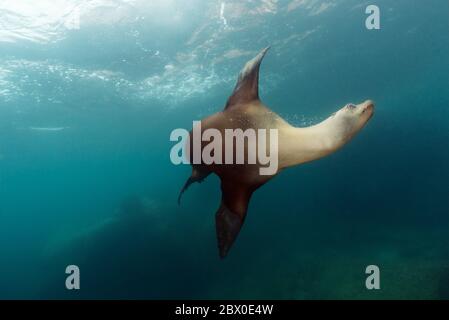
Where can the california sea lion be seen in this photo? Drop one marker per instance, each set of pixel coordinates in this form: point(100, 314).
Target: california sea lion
point(244, 110)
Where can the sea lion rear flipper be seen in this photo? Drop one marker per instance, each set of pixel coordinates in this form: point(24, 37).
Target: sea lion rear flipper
point(197, 176)
point(230, 215)
point(247, 87)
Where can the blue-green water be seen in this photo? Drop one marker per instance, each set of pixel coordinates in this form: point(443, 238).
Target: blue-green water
point(86, 111)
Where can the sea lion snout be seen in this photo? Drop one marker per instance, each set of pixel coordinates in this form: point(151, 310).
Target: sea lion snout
point(368, 106)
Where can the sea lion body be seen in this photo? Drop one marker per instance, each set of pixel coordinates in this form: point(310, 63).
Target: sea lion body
point(294, 146)
point(252, 115)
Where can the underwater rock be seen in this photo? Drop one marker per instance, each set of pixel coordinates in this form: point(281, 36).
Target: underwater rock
point(443, 288)
point(131, 256)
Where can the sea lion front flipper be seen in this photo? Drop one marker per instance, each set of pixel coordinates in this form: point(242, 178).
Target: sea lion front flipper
point(247, 87)
point(197, 176)
point(228, 225)
point(230, 215)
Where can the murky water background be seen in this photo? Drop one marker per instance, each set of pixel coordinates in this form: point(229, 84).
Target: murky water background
point(87, 106)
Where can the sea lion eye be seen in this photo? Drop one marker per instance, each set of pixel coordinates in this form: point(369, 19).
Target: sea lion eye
point(350, 106)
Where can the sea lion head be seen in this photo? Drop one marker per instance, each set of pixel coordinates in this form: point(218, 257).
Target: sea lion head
point(352, 118)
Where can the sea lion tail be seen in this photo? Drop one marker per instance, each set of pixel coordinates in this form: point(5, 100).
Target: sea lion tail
point(189, 181)
point(197, 176)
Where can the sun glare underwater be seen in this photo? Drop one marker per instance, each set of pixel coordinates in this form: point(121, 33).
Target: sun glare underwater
point(91, 90)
